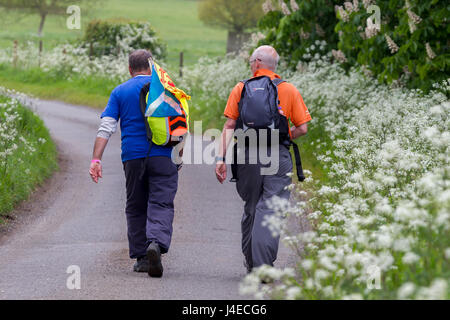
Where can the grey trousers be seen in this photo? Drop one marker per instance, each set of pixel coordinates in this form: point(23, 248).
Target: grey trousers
point(258, 245)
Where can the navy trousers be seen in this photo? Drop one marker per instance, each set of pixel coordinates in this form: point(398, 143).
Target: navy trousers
point(149, 208)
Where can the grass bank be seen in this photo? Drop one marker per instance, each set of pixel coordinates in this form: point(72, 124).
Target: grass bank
point(90, 91)
point(27, 154)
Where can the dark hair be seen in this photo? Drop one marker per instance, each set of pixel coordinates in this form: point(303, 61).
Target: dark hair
point(138, 60)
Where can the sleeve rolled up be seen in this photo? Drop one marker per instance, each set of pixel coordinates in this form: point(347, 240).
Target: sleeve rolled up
point(107, 127)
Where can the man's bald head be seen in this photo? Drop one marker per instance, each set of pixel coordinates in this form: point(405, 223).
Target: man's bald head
point(267, 57)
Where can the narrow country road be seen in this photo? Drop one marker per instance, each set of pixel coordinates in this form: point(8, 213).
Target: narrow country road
point(81, 223)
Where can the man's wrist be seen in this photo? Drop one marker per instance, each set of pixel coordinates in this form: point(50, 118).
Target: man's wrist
point(96, 160)
point(220, 159)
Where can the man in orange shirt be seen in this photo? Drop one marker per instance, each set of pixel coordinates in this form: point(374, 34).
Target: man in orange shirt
point(258, 245)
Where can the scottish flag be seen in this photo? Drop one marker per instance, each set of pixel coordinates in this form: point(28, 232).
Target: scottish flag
point(161, 102)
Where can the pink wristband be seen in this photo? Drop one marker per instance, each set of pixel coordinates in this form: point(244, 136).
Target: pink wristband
point(96, 160)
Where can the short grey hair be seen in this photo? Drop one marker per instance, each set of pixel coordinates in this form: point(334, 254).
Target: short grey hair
point(268, 57)
point(138, 60)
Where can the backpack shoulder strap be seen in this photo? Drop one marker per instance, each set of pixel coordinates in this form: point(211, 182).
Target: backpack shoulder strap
point(242, 94)
point(142, 98)
point(278, 81)
point(238, 125)
point(243, 88)
point(298, 162)
point(143, 106)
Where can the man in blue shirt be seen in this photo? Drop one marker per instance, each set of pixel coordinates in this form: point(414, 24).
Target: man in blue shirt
point(151, 176)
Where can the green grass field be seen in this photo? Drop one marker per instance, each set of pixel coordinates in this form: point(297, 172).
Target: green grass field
point(176, 22)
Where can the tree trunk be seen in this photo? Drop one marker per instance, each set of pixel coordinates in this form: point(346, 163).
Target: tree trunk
point(41, 25)
point(236, 40)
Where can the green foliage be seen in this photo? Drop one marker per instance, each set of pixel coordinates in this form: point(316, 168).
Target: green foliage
point(417, 31)
point(292, 34)
point(412, 26)
point(112, 37)
point(18, 177)
point(232, 15)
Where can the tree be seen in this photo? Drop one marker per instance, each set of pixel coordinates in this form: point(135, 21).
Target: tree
point(298, 29)
point(41, 7)
point(115, 36)
point(411, 44)
point(236, 16)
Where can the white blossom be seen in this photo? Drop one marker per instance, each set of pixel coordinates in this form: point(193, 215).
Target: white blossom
point(406, 290)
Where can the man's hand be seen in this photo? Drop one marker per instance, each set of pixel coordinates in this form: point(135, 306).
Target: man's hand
point(95, 171)
point(225, 138)
point(96, 166)
point(221, 171)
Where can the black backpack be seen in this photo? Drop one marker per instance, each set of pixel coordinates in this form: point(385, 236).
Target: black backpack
point(259, 109)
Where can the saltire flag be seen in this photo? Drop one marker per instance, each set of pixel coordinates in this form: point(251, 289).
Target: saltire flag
point(164, 99)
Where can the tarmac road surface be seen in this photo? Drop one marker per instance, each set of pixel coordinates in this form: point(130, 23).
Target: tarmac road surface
point(72, 221)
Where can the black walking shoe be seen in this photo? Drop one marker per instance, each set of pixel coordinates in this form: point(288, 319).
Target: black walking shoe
point(155, 268)
point(141, 265)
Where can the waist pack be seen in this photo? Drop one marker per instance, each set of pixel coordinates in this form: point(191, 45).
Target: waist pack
point(165, 109)
point(259, 109)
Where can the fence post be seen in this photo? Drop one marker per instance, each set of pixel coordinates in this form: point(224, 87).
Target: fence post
point(91, 50)
point(15, 53)
point(40, 53)
point(181, 63)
